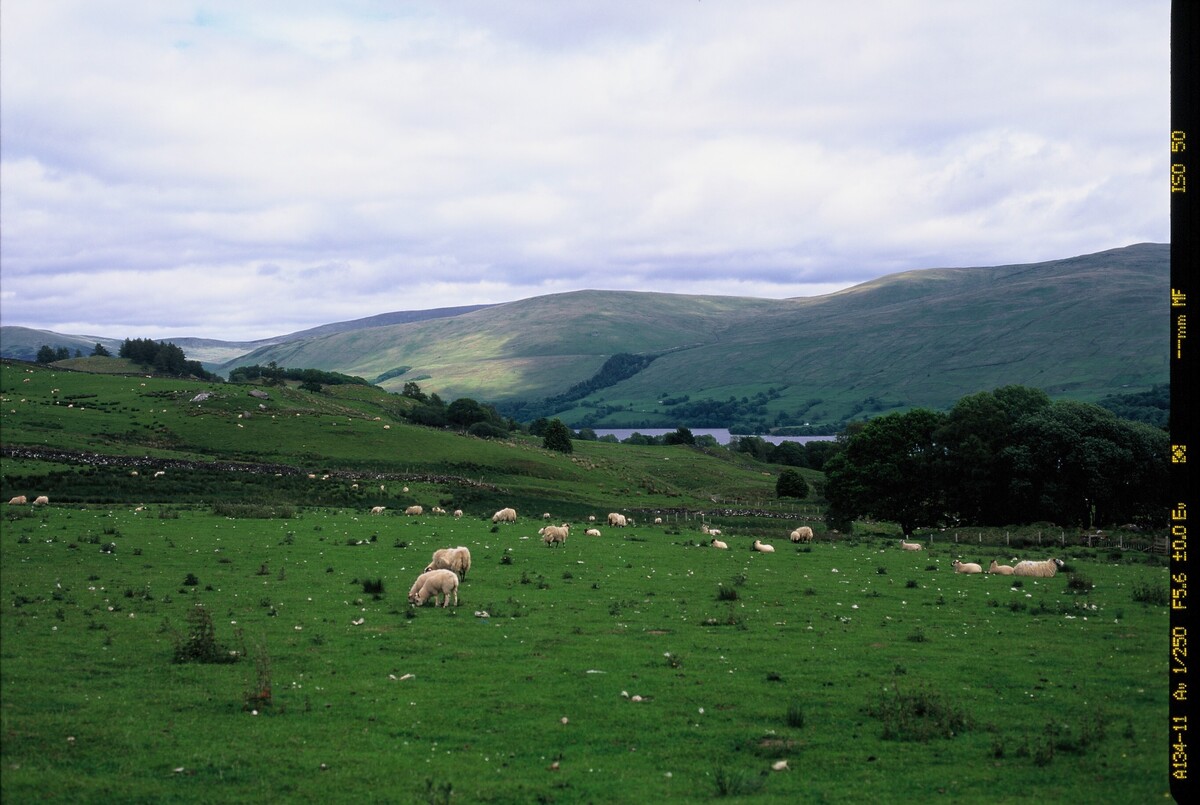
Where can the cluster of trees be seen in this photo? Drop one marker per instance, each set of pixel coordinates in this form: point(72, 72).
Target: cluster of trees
point(1001, 457)
point(464, 414)
point(161, 357)
point(48, 354)
point(619, 367)
point(811, 455)
point(310, 379)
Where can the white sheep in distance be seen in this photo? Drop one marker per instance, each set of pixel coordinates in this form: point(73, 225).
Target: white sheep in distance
point(911, 546)
point(455, 559)
point(802, 534)
point(762, 547)
point(1003, 570)
point(41, 500)
point(616, 520)
point(435, 583)
point(545, 515)
point(555, 534)
point(458, 512)
point(377, 509)
point(966, 567)
point(437, 510)
point(19, 500)
point(592, 532)
point(505, 516)
point(716, 543)
point(1044, 570)
point(415, 510)
point(658, 521)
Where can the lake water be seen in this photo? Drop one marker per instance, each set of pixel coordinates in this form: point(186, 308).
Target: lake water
point(722, 435)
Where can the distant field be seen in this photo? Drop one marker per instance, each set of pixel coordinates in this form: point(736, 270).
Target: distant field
point(876, 674)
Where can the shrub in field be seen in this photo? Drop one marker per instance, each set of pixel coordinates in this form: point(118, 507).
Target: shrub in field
point(725, 593)
point(795, 715)
point(200, 643)
point(1079, 583)
point(732, 783)
point(1147, 593)
point(373, 586)
point(918, 715)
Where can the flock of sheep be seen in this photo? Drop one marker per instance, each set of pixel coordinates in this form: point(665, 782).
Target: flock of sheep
point(22, 500)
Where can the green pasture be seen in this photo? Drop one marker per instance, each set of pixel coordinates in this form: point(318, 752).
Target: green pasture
point(876, 674)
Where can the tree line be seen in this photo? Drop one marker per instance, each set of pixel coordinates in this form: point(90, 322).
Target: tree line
point(1003, 457)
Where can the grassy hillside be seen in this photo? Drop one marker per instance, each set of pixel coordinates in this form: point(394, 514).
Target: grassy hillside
point(351, 433)
point(1081, 328)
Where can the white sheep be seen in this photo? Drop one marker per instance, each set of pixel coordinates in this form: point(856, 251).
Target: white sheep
point(19, 500)
point(658, 521)
point(545, 515)
point(591, 518)
point(716, 543)
point(1003, 570)
point(762, 547)
point(415, 510)
point(435, 583)
point(592, 532)
point(41, 500)
point(802, 534)
point(616, 520)
point(966, 567)
point(377, 509)
point(555, 534)
point(505, 516)
point(1044, 570)
point(458, 512)
point(437, 510)
point(911, 546)
point(456, 559)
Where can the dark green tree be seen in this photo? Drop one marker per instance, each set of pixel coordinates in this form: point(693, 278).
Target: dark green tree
point(557, 437)
point(791, 484)
point(100, 351)
point(46, 354)
point(889, 471)
point(680, 436)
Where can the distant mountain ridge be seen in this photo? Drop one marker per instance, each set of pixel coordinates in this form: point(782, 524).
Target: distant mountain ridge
point(1082, 327)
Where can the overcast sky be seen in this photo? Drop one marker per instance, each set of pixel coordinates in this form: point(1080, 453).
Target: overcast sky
point(238, 170)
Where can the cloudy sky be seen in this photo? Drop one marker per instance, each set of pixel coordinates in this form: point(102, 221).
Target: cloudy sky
point(238, 170)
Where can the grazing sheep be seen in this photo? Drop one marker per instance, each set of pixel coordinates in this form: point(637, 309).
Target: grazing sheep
point(456, 559)
point(42, 500)
point(658, 521)
point(555, 534)
point(436, 583)
point(1043, 570)
point(911, 546)
point(1003, 570)
point(19, 500)
point(591, 518)
point(377, 509)
point(802, 534)
point(966, 567)
point(458, 512)
point(716, 543)
point(592, 532)
point(616, 520)
point(415, 510)
point(762, 547)
point(505, 516)
point(545, 515)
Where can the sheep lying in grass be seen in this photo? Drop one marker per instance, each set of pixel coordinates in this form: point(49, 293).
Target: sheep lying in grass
point(1044, 570)
point(1003, 570)
point(592, 532)
point(456, 559)
point(555, 534)
point(616, 520)
point(505, 516)
point(432, 584)
point(716, 543)
point(966, 567)
point(762, 547)
point(911, 546)
point(377, 509)
point(801, 534)
point(415, 510)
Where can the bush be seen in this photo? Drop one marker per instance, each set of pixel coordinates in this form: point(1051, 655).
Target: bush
point(200, 643)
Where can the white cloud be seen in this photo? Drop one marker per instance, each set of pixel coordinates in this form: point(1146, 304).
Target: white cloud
point(311, 154)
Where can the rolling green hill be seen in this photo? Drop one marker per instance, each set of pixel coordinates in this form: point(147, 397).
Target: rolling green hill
point(1082, 328)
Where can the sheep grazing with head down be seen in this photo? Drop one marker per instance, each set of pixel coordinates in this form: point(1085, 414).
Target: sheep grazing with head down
point(801, 534)
point(762, 547)
point(19, 500)
point(1043, 570)
point(432, 584)
point(377, 509)
point(911, 546)
point(415, 510)
point(41, 500)
point(505, 516)
point(999, 569)
point(555, 534)
point(966, 567)
point(616, 520)
point(455, 559)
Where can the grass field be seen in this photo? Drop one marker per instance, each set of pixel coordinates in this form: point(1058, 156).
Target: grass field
point(877, 674)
